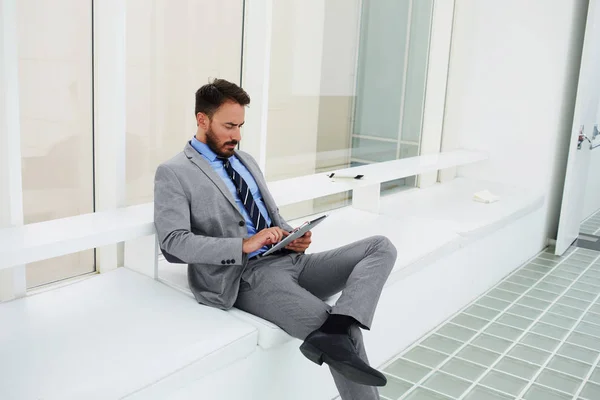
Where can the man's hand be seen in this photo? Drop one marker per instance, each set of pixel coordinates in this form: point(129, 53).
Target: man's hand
point(265, 237)
point(301, 244)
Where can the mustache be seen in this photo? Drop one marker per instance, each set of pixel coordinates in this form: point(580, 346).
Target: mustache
point(233, 142)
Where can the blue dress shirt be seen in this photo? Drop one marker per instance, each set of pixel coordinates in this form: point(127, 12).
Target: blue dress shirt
point(217, 165)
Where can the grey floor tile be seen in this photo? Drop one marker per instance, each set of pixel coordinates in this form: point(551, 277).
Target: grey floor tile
point(549, 287)
point(543, 261)
point(549, 330)
point(557, 380)
point(521, 280)
point(530, 274)
point(515, 321)
point(517, 367)
point(394, 388)
point(463, 369)
point(507, 297)
point(446, 384)
point(569, 276)
point(558, 320)
point(527, 312)
point(568, 366)
point(482, 393)
point(491, 302)
point(566, 311)
point(504, 383)
point(542, 295)
point(533, 303)
point(470, 321)
point(585, 287)
point(441, 344)
point(540, 342)
point(421, 355)
point(580, 294)
point(573, 302)
point(482, 312)
point(578, 353)
point(456, 332)
point(529, 354)
point(478, 356)
point(407, 370)
point(555, 280)
point(503, 331)
point(584, 340)
point(542, 393)
point(590, 391)
point(424, 394)
point(595, 377)
point(512, 288)
point(492, 343)
point(595, 308)
point(590, 329)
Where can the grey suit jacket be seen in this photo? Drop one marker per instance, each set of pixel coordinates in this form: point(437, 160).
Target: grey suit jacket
point(198, 223)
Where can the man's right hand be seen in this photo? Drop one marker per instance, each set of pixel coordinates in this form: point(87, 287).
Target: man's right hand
point(265, 237)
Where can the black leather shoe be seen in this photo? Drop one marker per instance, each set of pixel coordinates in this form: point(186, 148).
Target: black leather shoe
point(338, 351)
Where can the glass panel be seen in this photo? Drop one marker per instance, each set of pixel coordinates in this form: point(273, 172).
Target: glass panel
point(416, 73)
point(380, 85)
point(55, 84)
point(168, 58)
point(373, 150)
point(335, 98)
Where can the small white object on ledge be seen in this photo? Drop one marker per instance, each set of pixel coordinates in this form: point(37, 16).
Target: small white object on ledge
point(485, 196)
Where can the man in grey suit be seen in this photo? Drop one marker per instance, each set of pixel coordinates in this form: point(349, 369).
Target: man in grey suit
point(213, 211)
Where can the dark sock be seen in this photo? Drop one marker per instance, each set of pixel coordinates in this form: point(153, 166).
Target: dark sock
point(337, 323)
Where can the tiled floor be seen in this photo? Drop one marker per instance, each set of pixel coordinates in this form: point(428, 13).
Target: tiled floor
point(591, 226)
point(534, 336)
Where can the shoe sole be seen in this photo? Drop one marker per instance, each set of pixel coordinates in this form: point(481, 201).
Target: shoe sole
point(355, 375)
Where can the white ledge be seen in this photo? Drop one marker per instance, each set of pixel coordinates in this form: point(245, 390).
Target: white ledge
point(308, 187)
point(44, 240)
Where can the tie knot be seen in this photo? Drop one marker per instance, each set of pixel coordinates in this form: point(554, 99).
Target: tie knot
point(224, 160)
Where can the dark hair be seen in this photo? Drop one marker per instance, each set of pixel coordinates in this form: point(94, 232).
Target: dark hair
point(212, 96)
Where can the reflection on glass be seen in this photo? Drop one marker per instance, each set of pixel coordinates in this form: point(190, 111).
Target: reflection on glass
point(55, 83)
point(347, 87)
point(173, 48)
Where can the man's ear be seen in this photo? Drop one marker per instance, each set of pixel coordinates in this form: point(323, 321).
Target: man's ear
point(202, 121)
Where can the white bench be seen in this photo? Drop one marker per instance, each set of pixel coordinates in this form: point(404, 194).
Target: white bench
point(109, 336)
point(425, 225)
point(226, 339)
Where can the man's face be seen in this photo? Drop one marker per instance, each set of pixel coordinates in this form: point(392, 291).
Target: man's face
point(223, 133)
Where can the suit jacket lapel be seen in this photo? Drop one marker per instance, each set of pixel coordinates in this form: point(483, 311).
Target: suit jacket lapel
point(210, 173)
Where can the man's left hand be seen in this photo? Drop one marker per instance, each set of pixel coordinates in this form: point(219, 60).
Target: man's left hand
point(301, 244)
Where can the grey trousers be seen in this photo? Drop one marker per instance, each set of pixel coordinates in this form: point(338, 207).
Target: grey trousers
point(289, 290)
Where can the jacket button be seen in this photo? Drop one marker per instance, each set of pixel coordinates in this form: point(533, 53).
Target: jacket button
point(228, 261)
point(233, 261)
point(222, 261)
point(242, 223)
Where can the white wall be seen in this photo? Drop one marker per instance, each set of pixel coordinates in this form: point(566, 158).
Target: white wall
point(511, 92)
point(591, 202)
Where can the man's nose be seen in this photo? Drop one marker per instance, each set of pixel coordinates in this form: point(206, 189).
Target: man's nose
point(237, 134)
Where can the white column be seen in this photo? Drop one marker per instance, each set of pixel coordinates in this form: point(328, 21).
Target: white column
point(109, 116)
point(12, 281)
point(255, 71)
point(437, 82)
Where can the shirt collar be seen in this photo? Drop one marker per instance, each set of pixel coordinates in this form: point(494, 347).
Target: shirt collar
point(203, 149)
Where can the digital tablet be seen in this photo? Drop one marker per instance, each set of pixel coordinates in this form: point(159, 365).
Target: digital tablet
point(295, 234)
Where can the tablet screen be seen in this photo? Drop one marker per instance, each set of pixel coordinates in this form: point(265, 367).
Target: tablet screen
point(295, 234)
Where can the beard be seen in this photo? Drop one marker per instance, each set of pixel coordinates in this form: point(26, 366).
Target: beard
point(219, 148)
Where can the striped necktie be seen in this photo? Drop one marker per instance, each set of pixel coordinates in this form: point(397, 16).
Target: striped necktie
point(244, 194)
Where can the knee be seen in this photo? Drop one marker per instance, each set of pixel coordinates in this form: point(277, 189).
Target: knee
point(385, 245)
